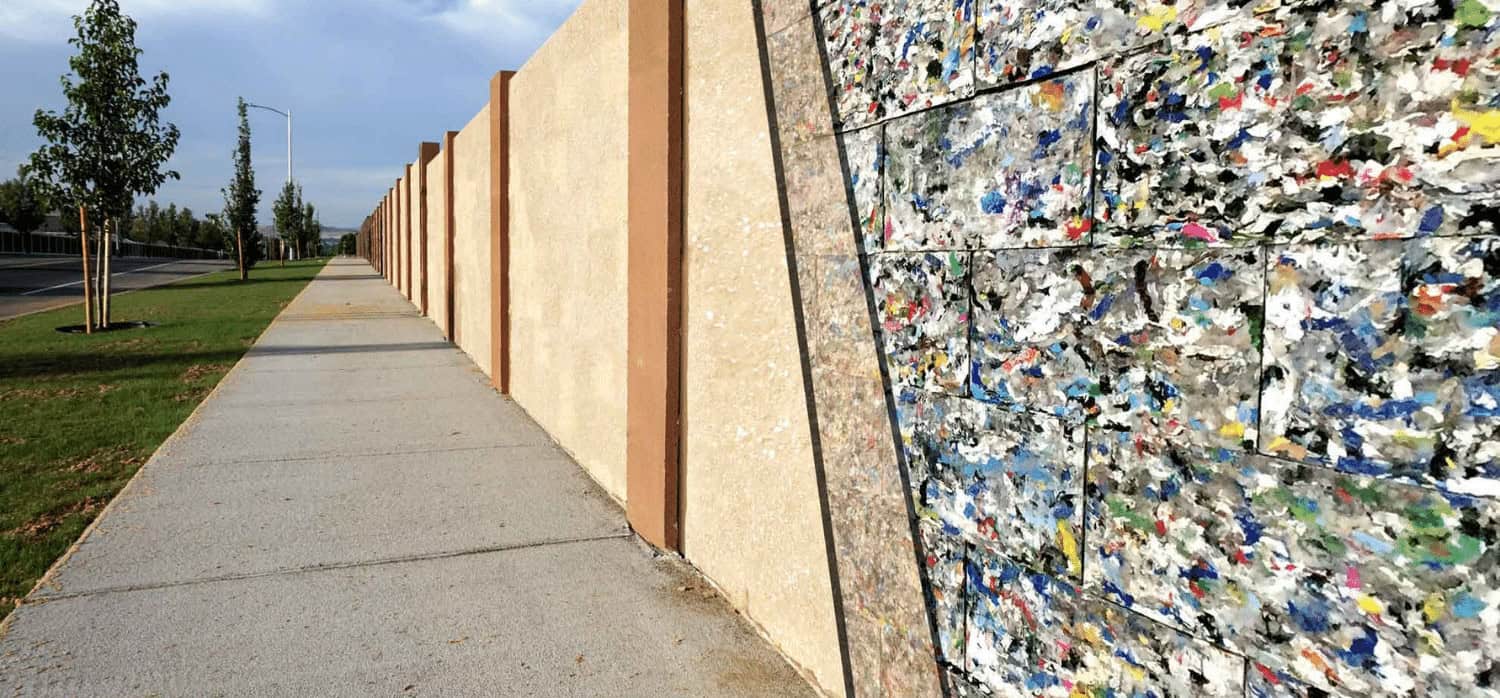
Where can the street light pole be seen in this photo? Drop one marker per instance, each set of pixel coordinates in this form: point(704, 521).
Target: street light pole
point(288, 115)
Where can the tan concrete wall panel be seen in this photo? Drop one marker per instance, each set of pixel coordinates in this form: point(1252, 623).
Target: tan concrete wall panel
point(750, 514)
point(568, 238)
point(436, 274)
point(471, 242)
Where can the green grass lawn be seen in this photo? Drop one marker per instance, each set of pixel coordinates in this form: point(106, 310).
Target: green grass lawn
point(79, 414)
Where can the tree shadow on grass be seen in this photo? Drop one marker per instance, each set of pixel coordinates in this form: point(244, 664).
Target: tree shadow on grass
point(44, 364)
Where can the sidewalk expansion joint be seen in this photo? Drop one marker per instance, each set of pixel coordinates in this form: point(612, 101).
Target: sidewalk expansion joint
point(342, 455)
point(322, 567)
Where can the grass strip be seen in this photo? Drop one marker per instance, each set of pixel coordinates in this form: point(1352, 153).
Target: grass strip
point(80, 414)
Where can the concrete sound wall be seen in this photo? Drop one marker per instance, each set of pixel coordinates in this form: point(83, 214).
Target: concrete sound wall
point(568, 238)
point(471, 247)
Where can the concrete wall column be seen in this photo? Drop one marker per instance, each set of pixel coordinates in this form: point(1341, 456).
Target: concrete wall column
point(448, 230)
point(406, 236)
point(653, 375)
point(425, 153)
point(500, 229)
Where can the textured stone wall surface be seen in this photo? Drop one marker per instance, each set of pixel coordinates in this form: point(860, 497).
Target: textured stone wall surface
point(1189, 314)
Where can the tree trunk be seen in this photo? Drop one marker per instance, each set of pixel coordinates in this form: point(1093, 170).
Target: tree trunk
point(88, 290)
point(239, 237)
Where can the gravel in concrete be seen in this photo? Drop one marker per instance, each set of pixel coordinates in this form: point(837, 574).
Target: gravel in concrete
point(355, 512)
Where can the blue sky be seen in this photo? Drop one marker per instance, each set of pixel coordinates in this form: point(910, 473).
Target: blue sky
point(366, 81)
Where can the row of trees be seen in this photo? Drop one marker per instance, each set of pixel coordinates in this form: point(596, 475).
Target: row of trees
point(297, 221)
point(22, 206)
point(178, 227)
point(109, 146)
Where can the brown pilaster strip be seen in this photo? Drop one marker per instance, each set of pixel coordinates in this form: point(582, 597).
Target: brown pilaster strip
point(653, 373)
point(425, 153)
point(406, 239)
point(395, 234)
point(500, 230)
point(448, 229)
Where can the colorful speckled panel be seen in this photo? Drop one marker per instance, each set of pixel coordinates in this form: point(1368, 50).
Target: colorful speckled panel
point(865, 152)
point(945, 572)
point(849, 35)
point(924, 53)
point(1031, 337)
point(1350, 123)
point(1125, 654)
point(1004, 170)
point(1381, 359)
point(922, 304)
point(1377, 579)
point(1177, 334)
point(1189, 320)
point(1002, 479)
point(1023, 41)
point(1018, 627)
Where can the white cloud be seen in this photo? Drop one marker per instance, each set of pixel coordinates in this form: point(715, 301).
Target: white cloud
point(532, 19)
point(52, 20)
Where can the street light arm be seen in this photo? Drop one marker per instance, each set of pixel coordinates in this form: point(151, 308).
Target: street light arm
point(274, 109)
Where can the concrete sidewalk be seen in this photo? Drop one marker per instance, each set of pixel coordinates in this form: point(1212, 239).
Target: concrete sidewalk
point(355, 512)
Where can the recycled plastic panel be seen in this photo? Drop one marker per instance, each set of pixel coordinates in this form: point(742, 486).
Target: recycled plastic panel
point(1035, 635)
point(1033, 311)
point(1005, 170)
point(1349, 122)
point(1375, 579)
point(865, 152)
point(1381, 359)
point(945, 557)
point(922, 305)
point(1023, 41)
point(1125, 654)
point(1177, 336)
point(924, 53)
point(1194, 406)
point(1006, 480)
point(849, 35)
point(1019, 624)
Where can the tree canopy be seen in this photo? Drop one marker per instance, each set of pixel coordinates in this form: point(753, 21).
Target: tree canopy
point(108, 145)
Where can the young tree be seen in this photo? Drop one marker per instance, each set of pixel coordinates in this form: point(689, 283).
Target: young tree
point(187, 228)
point(240, 199)
point(108, 146)
point(22, 206)
point(169, 226)
point(287, 215)
point(312, 231)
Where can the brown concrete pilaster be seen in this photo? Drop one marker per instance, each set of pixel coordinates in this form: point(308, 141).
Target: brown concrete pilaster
point(425, 154)
point(448, 230)
point(396, 234)
point(500, 229)
point(406, 238)
point(653, 376)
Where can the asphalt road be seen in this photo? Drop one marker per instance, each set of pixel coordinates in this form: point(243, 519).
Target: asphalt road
point(29, 284)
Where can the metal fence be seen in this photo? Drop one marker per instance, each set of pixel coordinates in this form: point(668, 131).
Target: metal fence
point(62, 243)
